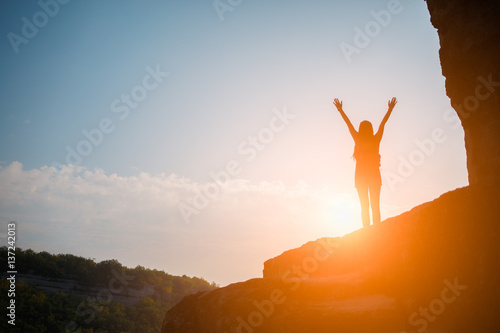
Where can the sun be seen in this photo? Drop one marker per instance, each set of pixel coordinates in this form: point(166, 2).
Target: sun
point(342, 214)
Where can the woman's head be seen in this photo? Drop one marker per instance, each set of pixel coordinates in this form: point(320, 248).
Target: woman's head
point(365, 129)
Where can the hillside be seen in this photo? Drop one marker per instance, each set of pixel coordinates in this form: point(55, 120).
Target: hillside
point(433, 268)
point(62, 292)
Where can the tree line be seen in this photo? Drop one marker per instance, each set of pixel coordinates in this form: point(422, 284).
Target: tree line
point(44, 311)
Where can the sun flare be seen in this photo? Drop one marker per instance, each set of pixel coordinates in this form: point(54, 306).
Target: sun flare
point(342, 214)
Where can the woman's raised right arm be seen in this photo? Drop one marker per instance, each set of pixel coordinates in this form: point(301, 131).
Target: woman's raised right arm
point(338, 105)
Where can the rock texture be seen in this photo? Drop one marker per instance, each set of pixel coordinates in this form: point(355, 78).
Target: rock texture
point(309, 255)
point(469, 34)
point(372, 280)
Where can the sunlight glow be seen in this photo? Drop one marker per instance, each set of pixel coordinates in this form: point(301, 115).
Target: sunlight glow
point(342, 214)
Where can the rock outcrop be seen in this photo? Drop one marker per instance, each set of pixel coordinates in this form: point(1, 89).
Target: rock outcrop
point(306, 258)
point(469, 34)
point(435, 267)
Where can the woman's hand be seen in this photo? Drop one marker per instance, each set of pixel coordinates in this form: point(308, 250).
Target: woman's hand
point(391, 103)
point(338, 104)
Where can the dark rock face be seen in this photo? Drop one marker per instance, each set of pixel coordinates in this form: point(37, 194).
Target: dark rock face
point(273, 305)
point(311, 255)
point(433, 268)
point(469, 34)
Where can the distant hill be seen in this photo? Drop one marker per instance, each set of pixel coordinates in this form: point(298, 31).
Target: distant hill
point(67, 293)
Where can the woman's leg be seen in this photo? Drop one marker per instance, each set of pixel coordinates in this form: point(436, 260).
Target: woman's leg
point(363, 199)
point(375, 203)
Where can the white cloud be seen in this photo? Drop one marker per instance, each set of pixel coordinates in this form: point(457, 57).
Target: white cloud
point(136, 219)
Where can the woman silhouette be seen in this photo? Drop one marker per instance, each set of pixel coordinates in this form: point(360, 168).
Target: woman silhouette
point(366, 153)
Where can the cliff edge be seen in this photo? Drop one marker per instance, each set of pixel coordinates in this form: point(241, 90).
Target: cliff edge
point(433, 268)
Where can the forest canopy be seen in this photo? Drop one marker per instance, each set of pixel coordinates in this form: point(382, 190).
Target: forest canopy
point(41, 310)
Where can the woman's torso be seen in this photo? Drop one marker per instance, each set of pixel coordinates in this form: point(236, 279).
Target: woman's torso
point(367, 161)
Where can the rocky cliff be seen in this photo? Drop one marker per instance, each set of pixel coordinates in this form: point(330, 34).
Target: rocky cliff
point(469, 35)
point(433, 268)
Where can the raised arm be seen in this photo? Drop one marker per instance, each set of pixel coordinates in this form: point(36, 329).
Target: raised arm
point(338, 105)
point(391, 105)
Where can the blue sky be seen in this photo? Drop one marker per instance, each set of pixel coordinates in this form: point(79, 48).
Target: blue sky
point(218, 83)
